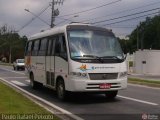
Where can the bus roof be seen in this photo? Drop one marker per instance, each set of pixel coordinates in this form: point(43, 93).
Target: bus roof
point(57, 30)
point(49, 32)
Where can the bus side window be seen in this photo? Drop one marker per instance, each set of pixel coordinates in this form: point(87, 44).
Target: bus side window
point(28, 48)
point(32, 48)
point(57, 47)
point(43, 47)
point(54, 39)
point(35, 48)
point(60, 47)
point(49, 47)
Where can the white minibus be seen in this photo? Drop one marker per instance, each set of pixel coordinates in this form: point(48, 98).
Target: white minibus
point(76, 58)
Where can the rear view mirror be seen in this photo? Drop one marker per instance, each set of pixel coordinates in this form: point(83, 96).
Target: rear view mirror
point(125, 56)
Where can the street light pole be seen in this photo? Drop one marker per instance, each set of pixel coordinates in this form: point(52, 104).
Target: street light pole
point(55, 12)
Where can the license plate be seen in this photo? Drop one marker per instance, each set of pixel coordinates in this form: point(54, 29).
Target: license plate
point(105, 86)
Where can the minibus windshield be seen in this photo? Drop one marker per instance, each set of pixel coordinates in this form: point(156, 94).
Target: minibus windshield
point(84, 44)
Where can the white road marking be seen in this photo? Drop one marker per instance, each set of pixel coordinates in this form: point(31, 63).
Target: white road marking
point(27, 81)
point(44, 101)
point(18, 83)
point(13, 71)
point(137, 100)
point(14, 77)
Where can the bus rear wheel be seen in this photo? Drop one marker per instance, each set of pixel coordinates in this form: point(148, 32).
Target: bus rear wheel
point(61, 92)
point(33, 83)
point(111, 94)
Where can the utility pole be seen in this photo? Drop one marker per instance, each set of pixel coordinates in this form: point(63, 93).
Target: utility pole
point(10, 51)
point(137, 38)
point(55, 12)
point(52, 16)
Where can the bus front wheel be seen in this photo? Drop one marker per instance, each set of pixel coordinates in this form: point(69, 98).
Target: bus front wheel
point(111, 94)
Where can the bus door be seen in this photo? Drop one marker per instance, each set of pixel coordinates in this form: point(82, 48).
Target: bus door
point(61, 58)
point(40, 62)
point(50, 70)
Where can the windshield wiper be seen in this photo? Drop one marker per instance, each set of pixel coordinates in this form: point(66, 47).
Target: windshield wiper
point(94, 56)
point(77, 56)
point(91, 56)
point(112, 57)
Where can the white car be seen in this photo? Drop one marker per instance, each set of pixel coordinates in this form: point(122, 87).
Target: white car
point(19, 64)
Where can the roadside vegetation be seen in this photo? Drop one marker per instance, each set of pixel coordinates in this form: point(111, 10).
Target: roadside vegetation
point(12, 45)
point(6, 64)
point(147, 34)
point(151, 83)
point(12, 102)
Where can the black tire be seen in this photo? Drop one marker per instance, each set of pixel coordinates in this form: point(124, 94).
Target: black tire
point(61, 92)
point(33, 83)
point(111, 94)
point(16, 68)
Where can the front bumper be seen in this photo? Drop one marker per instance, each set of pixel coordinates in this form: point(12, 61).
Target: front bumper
point(75, 85)
point(21, 67)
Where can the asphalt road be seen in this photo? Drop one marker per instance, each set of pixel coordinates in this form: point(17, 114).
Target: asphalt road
point(130, 104)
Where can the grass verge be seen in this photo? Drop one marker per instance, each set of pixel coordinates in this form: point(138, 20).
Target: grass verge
point(6, 64)
point(151, 83)
point(12, 102)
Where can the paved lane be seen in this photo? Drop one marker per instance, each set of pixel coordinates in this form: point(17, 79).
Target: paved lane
point(129, 104)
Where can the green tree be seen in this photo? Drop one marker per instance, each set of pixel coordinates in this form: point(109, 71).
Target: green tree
point(12, 46)
point(146, 35)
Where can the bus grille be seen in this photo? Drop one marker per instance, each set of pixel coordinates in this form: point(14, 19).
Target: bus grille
point(103, 76)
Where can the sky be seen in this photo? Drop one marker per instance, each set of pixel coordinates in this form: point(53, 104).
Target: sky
point(13, 14)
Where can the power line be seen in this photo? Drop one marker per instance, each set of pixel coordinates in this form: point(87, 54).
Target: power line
point(128, 10)
point(91, 8)
point(68, 19)
point(122, 27)
point(126, 16)
point(33, 18)
point(36, 16)
point(129, 19)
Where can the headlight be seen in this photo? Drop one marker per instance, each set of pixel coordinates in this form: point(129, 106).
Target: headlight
point(78, 74)
point(122, 74)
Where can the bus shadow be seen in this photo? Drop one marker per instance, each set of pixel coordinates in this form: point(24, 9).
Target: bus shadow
point(84, 98)
point(74, 98)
